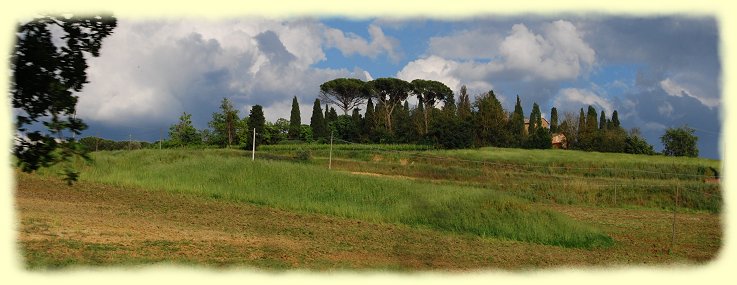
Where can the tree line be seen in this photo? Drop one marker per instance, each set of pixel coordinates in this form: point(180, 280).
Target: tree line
point(437, 119)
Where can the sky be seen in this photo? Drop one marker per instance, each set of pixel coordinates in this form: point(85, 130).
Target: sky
point(656, 71)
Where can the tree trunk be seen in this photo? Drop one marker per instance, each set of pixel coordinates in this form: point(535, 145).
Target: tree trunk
point(427, 121)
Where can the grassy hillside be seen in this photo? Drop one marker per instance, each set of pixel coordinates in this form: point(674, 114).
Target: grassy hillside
point(591, 164)
point(94, 224)
point(231, 175)
point(556, 176)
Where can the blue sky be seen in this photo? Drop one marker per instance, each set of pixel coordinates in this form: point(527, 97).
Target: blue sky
point(657, 72)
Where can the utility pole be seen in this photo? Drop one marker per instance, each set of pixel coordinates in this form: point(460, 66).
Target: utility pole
point(130, 141)
point(161, 136)
point(330, 161)
point(253, 144)
point(97, 140)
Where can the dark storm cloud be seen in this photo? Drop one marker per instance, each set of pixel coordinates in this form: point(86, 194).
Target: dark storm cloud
point(669, 42)
point(682, 48)
point(269, 43)
point(678, 73)
point(655, 110)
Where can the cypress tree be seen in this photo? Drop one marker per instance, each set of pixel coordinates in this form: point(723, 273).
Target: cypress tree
point(581, 121)
point(615, 120)
point(369, 121)
point(402, 123)
point(317, 122)
point(590, 130)
point(602, 121)
point(587, 131)
point(418, 122)
point(465, 120)
point(356, 124)
point(535, 119)
point(256, 120)
point(553, 120)
point(536, 132)
point(464, 105)
point(330, 117)
point(591, 123)
point(517, 125)
point(581, 142)
point(326, 118)
point(295, 122)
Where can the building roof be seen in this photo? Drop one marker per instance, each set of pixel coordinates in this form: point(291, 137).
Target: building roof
point(545, 122)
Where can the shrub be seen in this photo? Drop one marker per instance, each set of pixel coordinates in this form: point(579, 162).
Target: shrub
point(302, 155)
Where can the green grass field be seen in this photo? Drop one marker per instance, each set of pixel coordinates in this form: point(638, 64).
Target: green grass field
point(556, 176)
point(231, 175)
point(565, 199)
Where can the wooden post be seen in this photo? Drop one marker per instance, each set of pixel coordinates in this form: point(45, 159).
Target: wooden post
point(253, 143)
point(673, 235)
point(330, 160)
point(615, 194)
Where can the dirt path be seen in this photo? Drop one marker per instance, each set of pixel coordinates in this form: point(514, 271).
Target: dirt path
point(94, 224)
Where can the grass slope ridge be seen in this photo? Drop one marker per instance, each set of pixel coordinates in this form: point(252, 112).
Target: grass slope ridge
point(548, 176)
point(229, 174)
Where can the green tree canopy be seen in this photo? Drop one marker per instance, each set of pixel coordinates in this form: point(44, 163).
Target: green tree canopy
point(490, 120)
point(429, 93)
point(184, 133)
point(389, 92)
point(637, 145)
point(224, 124)
point(44, 77)
point(680, 142)
point(346, 93)
point(257, 121)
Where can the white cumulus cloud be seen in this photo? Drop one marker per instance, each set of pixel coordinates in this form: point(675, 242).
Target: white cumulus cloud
point(152, 71)
point(476, 59)
point(452, 73)
point(559, 53)
point(350, 43)
point(675, 89)
point(582, 97)
point(466, 44)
